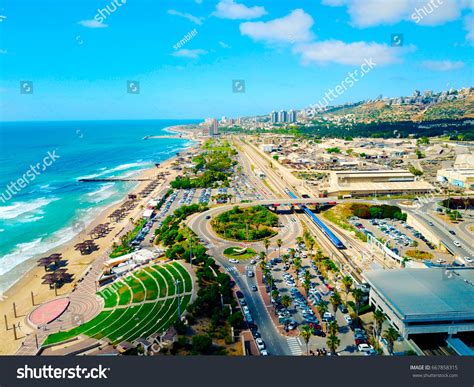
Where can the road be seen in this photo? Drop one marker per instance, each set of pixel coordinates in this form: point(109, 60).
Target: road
point(276, 343)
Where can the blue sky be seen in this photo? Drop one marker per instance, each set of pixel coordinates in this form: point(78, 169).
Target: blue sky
point(288, 52)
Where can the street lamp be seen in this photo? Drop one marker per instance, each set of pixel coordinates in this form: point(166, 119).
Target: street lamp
point(177, 282)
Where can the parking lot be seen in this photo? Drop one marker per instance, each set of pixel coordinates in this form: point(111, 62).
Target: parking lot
point(401, 237)
point(303, 309)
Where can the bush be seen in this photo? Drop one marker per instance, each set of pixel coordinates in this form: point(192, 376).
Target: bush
point(202, 344)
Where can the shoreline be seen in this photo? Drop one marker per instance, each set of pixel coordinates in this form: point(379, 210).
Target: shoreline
point(17, 272)
point(28, 275)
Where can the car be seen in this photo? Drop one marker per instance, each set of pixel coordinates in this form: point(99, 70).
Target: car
point(327, 317)
point(260, 343)
point(239, 294)
point(253, 262)
point(343, 308)
point(370, 352)
point(254, 288)
point(364, 347)
point(360, 341)
point(292, 325)
point(431, 224)
point(452, 232)
point(250, 274)
point(318, 332)
point(469, 260)
point(208, 217)
point(233, 260)
point(456, 243)
point(264, 352)
point(348, 319)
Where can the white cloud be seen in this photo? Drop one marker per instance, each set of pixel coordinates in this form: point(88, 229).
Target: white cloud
point(336, 51)
point(442, 65)
point(188, 16)
point(193, 54)
point(366, 13)
point(224, 44)
point(92, 24)
point(295, 27)
point(229, 9)
point(469, 27)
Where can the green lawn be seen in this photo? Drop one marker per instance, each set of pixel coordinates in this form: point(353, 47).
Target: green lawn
point(150, 285)
point(233, 252)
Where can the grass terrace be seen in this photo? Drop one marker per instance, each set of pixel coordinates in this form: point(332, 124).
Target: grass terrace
point(137, 306)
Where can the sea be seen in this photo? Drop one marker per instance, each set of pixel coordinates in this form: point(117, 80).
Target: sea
point(50, 206)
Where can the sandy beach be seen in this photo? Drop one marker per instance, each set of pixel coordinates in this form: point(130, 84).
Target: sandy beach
point(20, 293)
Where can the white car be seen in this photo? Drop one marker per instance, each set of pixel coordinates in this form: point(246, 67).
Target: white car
point(233, 260)
point(364, 347)
point(260, 343)
point(456, 243)
point(264, 352)
point(469, 260)
point(348, 319)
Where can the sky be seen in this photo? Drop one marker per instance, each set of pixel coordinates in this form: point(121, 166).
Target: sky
point(75, 59)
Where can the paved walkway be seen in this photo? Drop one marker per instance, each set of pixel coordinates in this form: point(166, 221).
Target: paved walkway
point(84, 305)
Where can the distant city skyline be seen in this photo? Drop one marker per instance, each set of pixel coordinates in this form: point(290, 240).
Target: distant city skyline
point(135, 60)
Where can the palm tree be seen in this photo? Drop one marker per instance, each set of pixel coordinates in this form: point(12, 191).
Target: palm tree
point(335, 301)
point(358, 294)
point(285, 258)
point(299, 240)
point(297, 264)
point(263, 256)
point(263, 265)
point(319, 255)
point(305, 333)
point(266, 244)
point(306, 286)
point(310, 246)
point(286, 301)
point(347, 283)
point(275, 294)
point(292, 253)
point(333, 328)
point(279, 242)
point(332, 343)
point(322, 308)
point(391, 335)
point(379, 318)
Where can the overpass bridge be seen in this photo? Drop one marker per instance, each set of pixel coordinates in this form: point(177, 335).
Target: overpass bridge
point(289, 202)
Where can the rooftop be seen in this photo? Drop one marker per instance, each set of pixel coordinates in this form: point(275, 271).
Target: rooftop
point(420, 294)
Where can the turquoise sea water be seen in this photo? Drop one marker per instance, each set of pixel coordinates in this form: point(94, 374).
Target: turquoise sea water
point(44, 213)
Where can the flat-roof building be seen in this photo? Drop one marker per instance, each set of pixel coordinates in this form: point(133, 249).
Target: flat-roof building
point(463, 178)
point(368, 183)
point(428, 300)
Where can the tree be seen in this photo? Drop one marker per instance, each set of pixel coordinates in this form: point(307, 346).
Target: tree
point(333, 328)
point(285, 258)
point(279, 243)
point(262, 256)
point(322, 308)
point(391, 335)
point(297, 266)
point(335, 301)
point(275, 294)
point(305, 333)
point(202, 344)
point(263, 265)
point(332, 343)
point(379, 318)
point(347, 283)
point(299, 240)
point(286, 301)
point(358, 295)
point(266, 244)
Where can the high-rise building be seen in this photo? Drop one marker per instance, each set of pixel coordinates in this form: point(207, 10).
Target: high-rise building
point(282, 116)
point(213, 126)
point(292, 116)
point(274, 117)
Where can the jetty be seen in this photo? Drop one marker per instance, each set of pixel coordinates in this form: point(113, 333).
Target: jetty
point(163, 136)
point(112, 179)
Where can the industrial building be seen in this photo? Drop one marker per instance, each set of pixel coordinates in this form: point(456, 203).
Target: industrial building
point(425, 300)
point(378, 182)
point(462, 177)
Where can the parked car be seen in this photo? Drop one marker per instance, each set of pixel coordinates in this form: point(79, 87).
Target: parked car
point(254, 288)
point(260, 343)
point(343, 308)
point(364, 347)
point(233, 260)
point(348, 319)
